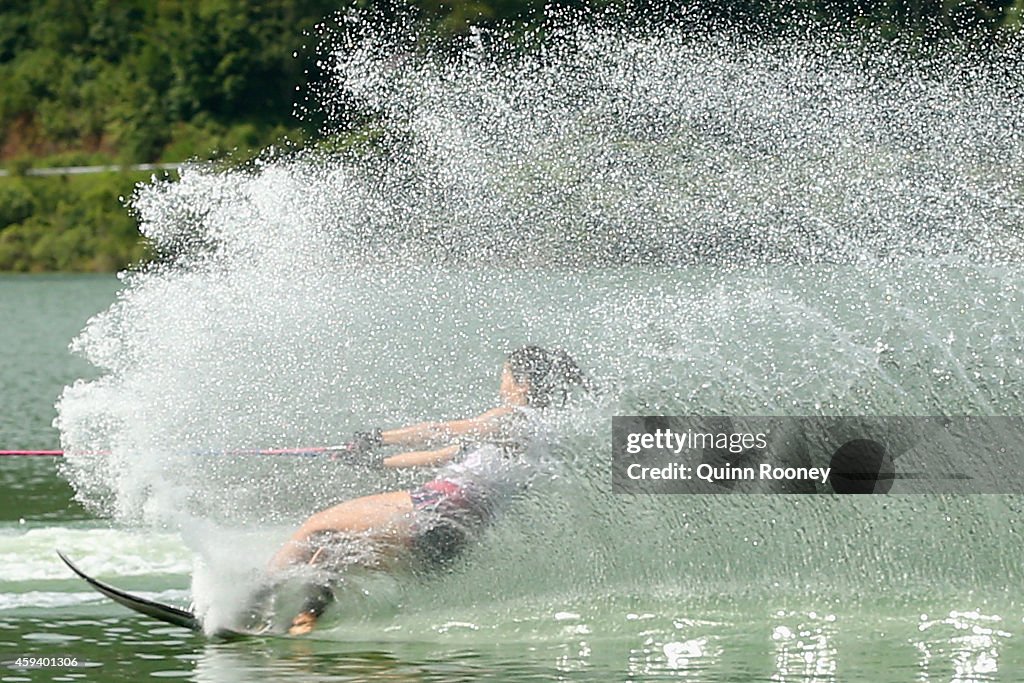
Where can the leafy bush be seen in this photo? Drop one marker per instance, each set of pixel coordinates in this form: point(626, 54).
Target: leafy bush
point(15, 203)
point(69, 223)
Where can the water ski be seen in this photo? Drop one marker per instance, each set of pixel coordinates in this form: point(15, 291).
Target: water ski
point(156, 610)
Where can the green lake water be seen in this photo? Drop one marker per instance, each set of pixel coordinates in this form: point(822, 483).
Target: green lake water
point(584, 585)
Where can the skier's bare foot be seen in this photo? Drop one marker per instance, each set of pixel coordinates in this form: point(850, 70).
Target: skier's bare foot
point(302, 624)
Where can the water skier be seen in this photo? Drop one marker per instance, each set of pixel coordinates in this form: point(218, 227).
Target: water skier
point(480, 466)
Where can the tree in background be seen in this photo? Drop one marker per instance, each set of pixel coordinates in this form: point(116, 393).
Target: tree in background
point(149, 80)
point(140, 80)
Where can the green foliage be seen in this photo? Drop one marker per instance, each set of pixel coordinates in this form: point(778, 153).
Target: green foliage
point(16, 203)
point(68, 223)
point(1013, 16)
point(209, 138)
point(122, 76)
point(127, 77)
point(128, 81)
